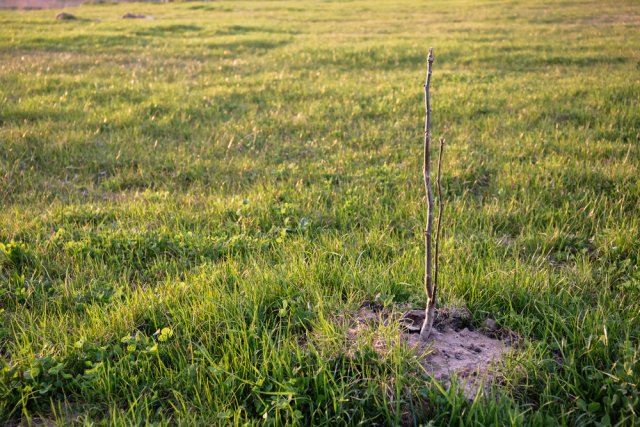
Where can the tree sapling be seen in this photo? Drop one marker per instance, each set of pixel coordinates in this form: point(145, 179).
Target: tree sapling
point(430, 280)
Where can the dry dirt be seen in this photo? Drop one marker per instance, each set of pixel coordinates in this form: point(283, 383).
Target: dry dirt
point(454, 347)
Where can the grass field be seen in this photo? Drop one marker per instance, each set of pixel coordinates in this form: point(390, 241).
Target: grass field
point(190, 205)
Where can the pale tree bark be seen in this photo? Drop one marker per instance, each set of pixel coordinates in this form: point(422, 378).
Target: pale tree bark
point(430, 284)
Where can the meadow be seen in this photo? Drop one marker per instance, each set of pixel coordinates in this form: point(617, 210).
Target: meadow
point(192, 205)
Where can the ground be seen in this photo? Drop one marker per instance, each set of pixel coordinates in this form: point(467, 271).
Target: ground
point(191, 203)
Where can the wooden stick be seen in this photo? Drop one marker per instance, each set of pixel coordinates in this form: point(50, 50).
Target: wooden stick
point(440, 212)
point(425, 331)
point(426, 173)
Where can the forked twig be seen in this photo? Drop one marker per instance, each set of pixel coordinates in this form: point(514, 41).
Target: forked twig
point(430, 280)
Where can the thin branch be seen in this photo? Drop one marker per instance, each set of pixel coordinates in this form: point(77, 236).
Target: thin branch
point(440, 212)
point(428, 284)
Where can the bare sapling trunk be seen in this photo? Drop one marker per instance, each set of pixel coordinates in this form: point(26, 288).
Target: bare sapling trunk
point(430, 274)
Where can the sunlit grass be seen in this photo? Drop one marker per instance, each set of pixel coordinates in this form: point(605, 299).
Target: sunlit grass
point(190, 205)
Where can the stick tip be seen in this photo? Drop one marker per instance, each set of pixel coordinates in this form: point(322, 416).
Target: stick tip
point(430, 57)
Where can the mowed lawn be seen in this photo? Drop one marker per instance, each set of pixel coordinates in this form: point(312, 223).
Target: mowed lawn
point(194, 206)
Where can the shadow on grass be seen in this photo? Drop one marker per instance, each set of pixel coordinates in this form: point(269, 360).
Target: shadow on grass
point(165, 30)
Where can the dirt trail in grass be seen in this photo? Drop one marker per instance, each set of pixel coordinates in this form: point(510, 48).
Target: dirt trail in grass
point(39, 4)
point(54, 4)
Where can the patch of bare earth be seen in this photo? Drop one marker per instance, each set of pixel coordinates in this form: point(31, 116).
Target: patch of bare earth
point(454, 347)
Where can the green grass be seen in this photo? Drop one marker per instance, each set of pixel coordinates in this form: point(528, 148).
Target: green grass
point(191, 204)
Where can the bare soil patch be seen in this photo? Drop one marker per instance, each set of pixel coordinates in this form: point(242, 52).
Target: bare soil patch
point(454, 347)
point(63, 16)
